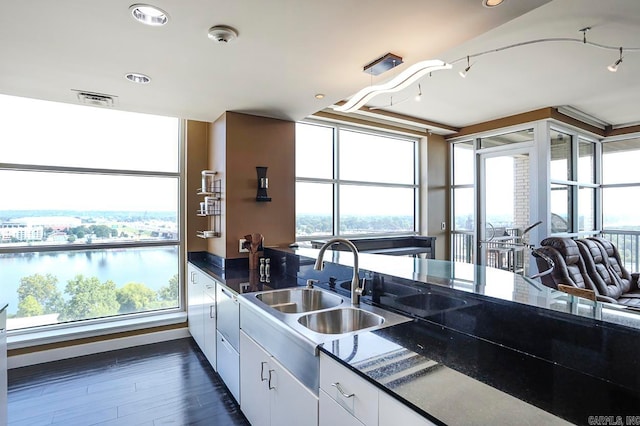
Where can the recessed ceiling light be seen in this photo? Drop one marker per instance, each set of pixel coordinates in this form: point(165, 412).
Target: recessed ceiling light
point(492, 3)
point(149, 15)
point(138, 78)
point(319, 95)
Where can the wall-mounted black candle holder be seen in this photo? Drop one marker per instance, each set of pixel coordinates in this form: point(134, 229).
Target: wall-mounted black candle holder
point(263, 184)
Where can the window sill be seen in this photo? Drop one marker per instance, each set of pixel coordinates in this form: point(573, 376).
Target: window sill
point(44, 337)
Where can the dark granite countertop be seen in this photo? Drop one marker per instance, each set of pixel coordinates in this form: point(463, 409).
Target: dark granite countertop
point(499, 349)
point(453, 378)
point(240, 280)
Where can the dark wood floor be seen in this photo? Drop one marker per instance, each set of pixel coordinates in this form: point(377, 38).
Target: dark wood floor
point(167, 383)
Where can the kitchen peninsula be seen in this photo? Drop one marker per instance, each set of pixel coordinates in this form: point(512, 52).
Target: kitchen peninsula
point(482, 345)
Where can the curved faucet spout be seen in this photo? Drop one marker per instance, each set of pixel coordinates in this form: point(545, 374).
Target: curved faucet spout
point(356, 290)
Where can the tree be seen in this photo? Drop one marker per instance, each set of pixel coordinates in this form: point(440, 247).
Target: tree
point(29, 307)
point(169, 293)
point(135, 297)
point(44, 290)
point(90, 298)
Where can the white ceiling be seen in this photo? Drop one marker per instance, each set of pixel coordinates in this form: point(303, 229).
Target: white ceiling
point(289, 50)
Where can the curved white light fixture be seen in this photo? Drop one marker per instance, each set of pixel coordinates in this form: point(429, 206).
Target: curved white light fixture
point(399, 82)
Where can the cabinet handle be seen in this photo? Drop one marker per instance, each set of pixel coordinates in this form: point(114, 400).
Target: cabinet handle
point(193, 277)
point(262, 379)
point(212, 309)
point(337, 386)
point(270, 371)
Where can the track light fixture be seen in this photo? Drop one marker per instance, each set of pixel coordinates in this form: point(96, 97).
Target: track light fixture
point(614, 66)
point(416, 71)
point(418, 97)
point(463, 73)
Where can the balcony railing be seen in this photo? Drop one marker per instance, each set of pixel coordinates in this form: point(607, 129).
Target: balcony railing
point(628, 244)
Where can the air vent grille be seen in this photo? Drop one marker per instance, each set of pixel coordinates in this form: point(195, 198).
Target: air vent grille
point(96, 99)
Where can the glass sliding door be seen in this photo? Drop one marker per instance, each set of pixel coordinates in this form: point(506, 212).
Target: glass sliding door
point(504, 210)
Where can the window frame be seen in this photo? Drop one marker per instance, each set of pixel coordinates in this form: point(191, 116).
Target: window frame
point(128, 321)
point(337, 182)
point(574, 184)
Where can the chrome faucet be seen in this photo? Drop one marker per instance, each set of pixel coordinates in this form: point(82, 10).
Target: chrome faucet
point(356, 290)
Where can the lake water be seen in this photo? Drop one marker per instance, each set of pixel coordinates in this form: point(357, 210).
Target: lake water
point(152, 266)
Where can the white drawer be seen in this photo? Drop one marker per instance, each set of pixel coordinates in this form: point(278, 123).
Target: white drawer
point(393, 412)
point(332, 414)
point(355, 394)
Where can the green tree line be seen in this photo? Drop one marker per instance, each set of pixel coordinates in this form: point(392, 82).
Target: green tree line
point(323, 224)
point(89, 298)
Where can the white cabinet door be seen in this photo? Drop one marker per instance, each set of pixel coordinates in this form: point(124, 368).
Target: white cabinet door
point(291, 402)
point(195, 307)
point(254, 392)
point(228, 362)
point(355, 394)
point(393, 413)
point(333, 414)
point(269, 393)
point(209, 320)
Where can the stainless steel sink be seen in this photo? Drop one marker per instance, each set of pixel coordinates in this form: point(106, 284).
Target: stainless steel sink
point(298, 300)
point(339, 321)
point(430, 303)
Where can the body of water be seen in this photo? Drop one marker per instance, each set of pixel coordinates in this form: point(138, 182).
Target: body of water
point(152, 266)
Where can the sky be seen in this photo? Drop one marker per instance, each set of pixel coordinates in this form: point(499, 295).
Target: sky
point(362, 157)
point(65, 135)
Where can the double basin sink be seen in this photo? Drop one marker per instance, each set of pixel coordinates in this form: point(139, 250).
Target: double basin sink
point(321, 315)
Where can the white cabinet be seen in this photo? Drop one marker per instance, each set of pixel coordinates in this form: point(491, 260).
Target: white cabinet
point(348, 399)
point(357, 396)
point(333, 414)
point(3, 366)
point(195, 305)
point(228, 365)
point(228, 344)
point(392, 412)
point(269, 394)
point(201, 311)
point(209, 321)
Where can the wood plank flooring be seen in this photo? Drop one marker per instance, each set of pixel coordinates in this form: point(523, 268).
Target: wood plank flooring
point(168, 383)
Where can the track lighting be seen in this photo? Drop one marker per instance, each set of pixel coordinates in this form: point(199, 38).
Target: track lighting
point(418, 97)
point(614, 66)
point(416, 71)
point(463, 74)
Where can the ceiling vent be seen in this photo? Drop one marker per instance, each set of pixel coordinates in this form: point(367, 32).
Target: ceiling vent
point(96, 99)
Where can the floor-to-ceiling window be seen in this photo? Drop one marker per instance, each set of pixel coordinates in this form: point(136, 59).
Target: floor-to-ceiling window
point(573, 183)
point(89, 214)
point(620, 192)
point(463, 201)
point(512, 190)
point(354, 182)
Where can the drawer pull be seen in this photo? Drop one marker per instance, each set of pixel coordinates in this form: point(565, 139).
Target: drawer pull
point(270, 371)
point(337, 386)
point(262, 379)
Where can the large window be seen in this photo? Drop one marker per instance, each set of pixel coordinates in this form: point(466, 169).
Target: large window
point(620, 184)
point(573, 184)
point(89, 213)
point(351, 182)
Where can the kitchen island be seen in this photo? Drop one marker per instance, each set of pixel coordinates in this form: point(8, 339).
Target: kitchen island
point(522, 351)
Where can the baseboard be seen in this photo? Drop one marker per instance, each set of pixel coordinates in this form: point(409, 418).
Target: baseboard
point(73, 351)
